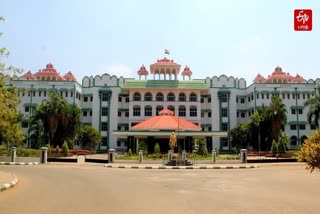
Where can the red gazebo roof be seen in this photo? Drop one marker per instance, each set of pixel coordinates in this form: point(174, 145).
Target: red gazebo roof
point(187, 71)
point(142, 70)
point(166, 121)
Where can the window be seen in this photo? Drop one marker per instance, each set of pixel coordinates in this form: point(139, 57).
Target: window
point(237, 100)
point(182, 111)
point(202, 114)
point(224, 142)
point(209, 114)
point(91, 98)
point(202, 100)
point(119, 128)
point(105, 97)
point(224, 112)
point(242, 100)
point(119, 114)
point(308, 95)
point(24, 124)
point(303, 96)
point(293, 96)
point(66, 94)
point(257, 96)
point(104, 126)
point(126, 114)
point(71, 94)
point(193, 97)
point(39, 93)
point(29, 93)
point(159, 96)
point(104, 141)
point(300, 111)
point(302, 127)
point(84, 113)
point(61, 93)
point(249, 113)
point(267, 96)
point(262, 96)
point(90, 113)
point(170, 97)
point(193, 111)
point(127, 99)
point(293, 111)
point(251, 96)
point(313, 127)
point(293, 140)
point(288, 96)
point(243, 114)
point(104, 111)
point(224, 126)
point(147, 111)
point(148, 96)
point(85, 99)
point(119, 99)
point(126, 128)
point(209, 99)
point(237, 114)
point(23, 93)
point(182, 97)
point(209, 128)
point(249, 99)
point(293, 127)
point(136, 96)
point(224, 98)
point(136, 110)
point(298, 96)
point(33, 93)
point(118, 143)
point(171, 108)
point(158, 109)
point(27, 109)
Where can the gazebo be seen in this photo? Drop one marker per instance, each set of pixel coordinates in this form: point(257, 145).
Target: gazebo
point(158, 129)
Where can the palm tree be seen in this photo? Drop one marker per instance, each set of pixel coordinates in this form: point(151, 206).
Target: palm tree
point(278, 115)
point(314, 109)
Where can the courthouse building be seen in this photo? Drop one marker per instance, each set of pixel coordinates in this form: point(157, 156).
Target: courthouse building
point(167, 98)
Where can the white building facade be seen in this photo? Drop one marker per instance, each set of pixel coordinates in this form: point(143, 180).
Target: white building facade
point(113, 104)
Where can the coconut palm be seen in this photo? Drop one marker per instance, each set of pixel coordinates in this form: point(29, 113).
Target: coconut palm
point(314, 109)
point(278, 115)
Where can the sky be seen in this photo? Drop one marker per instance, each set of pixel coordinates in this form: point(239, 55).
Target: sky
point(238, 38)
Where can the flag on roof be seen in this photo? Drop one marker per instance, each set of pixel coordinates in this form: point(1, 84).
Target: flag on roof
point(166, 51)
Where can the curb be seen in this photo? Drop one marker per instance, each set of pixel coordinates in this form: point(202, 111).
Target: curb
point(180, 167)
point(19, 163)
point(10, 184)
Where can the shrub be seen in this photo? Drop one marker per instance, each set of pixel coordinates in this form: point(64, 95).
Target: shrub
point(274, 148)
point(65, 149)
point(202, 148)
point(49, 148)
point(310, 152)
point(57, 149)
point(130, 153)
point(217, 151)
point(156, 149)
point(3, 151)
point(23, 152)
point(283, 141)
point(144, 147)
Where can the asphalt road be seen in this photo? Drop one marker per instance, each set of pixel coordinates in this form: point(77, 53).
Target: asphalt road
point(72, 188)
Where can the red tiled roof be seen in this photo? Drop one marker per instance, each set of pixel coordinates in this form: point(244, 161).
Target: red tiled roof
point(28, 76)
point(69, 76)
point(49, 71)
point(142, 71)
point(166, 121)
point(165, 61)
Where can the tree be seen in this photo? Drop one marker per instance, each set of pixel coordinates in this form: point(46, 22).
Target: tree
point(60, 120)
point(156, 149)
point(239, 136)
point(314, 109)
point(89, 137)
point(310, 151)
point(278, 115)
point(10, 131)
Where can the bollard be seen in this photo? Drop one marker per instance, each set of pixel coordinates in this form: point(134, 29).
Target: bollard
point(44, 155)
point(13, 154)
point(214, 156)
point(243, 155)
point(169, 155)
point(184, 155)
point(111, 155)
point(140, 156)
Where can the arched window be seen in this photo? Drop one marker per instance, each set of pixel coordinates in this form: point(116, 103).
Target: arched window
point(170, 97)
point(193, 111)
point(293, 140)
point(193, 97)
point(136, 96)
point(148, 96)
point(159, 96)
point(182, 111)
point(303, 138)
point(147, 111)
point(136, 110)
point(158, 109)
point(182, 97)
point(171, 108)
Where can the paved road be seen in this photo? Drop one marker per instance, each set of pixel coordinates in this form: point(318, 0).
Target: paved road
point(71, 188)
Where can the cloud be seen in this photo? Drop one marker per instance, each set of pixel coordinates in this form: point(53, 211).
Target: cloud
point(119, 70)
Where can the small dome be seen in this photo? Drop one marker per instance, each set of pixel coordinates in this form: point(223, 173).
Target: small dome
point(259, 79)
point(166, 112)
point(28, 76)
point(143, 71)
point(187, 71)
point(69, 76)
